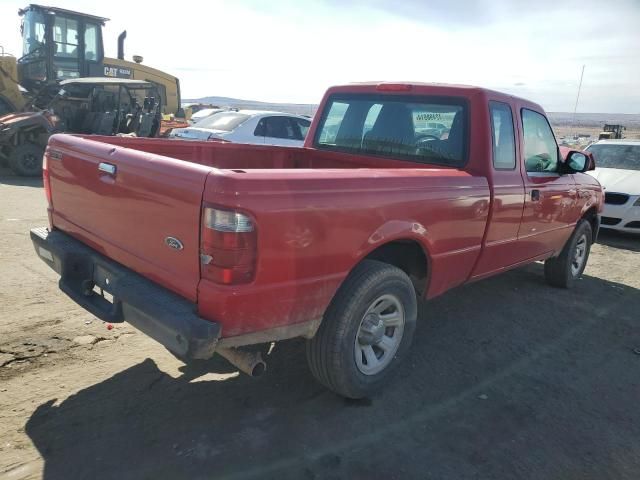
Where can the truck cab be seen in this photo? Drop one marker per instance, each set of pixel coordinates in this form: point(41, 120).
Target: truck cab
point(59, 44)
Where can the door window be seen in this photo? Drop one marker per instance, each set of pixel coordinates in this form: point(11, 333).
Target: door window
point(279, 127)
point(65, 43)
point(540, 148)
point(65, 36)
point(504, 147)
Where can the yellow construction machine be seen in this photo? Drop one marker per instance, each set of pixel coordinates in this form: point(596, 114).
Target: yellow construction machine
point(59, 44)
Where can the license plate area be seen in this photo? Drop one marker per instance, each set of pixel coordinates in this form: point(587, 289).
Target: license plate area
point(103, 281)
point(101, 292)
point(92, 285)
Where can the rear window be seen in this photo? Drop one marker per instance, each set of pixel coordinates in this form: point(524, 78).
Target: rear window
point(226, 121)
point(420, 129)
point(610, 155)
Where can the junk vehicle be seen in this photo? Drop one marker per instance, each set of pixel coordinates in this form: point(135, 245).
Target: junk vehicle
point(210, 247)
point(58, 45)
point(611, 132)
point(103, 106)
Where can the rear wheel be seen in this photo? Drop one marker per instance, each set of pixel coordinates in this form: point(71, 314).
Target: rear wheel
point(26, 160)
point(365, 332)
point(563, 270)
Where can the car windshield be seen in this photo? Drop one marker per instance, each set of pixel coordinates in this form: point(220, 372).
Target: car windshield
point(610, 155)
point(396, 126)
point(226, 121)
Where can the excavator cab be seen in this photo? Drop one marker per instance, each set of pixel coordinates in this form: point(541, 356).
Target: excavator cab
point(59, 44)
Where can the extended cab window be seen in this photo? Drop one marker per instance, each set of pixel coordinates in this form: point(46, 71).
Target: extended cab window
point(504, 147)
point(419, 129)
point(540, 148)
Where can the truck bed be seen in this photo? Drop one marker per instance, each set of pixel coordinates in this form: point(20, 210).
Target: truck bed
point(237, 156)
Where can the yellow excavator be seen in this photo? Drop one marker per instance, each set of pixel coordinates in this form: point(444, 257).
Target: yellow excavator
point(61, 44)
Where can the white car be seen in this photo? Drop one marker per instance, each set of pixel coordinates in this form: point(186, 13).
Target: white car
point(248, 126)
point(618, 171)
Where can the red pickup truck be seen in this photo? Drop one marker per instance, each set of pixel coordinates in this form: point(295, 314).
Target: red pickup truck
point(402, 191)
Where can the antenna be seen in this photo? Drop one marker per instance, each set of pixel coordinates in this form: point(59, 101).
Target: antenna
point(575, 108)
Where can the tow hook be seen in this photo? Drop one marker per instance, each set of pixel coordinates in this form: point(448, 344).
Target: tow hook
point(250, 363)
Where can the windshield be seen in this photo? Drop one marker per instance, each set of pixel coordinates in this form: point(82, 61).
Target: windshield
point(425, 130)
point(33, 34)
point(616, 156)
point(226, 121)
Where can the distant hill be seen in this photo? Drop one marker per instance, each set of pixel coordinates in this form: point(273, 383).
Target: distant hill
point(297, 108)
point(631, 121)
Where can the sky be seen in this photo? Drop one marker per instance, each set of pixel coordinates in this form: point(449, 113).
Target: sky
point(291, 51)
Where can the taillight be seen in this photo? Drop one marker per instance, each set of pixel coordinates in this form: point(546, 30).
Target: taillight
point(228, 246)
point(46, 181)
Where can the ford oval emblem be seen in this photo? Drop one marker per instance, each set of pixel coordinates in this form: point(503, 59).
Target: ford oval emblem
point(173, 242)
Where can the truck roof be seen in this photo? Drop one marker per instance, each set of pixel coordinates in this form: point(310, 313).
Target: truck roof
point(64, 11)
point(426, 88)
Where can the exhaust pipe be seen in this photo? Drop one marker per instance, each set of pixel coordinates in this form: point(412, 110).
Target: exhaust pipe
point(121, 38)
point(250, 363)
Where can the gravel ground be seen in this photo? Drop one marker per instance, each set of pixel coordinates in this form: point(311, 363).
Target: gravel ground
point(508, 378)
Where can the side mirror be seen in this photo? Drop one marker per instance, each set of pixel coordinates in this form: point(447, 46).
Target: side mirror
point(577, 162)
point(63, 93)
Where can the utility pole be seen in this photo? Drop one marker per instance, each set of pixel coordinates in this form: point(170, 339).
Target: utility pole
point(575, 108)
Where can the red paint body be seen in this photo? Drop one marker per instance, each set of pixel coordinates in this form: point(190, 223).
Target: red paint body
point(317, 213)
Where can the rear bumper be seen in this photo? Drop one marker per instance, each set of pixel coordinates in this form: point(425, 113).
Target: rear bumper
point(159, 313)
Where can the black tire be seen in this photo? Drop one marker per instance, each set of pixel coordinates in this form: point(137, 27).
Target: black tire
point(332, 352)
point(26, 160)
point(563, 271)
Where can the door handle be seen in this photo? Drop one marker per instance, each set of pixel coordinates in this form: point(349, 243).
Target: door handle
point(535, 195)
point(107, 168)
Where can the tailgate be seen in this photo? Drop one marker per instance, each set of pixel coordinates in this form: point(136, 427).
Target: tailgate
point(139, 209)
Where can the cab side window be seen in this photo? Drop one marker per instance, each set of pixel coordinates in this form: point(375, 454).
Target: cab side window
point(540, 147)
point(503, 139)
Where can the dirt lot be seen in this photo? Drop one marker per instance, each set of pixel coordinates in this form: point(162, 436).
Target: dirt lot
point(508, 378)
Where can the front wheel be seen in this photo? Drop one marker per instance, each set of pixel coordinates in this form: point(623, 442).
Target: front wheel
point(562, 271)
point(365, 332)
